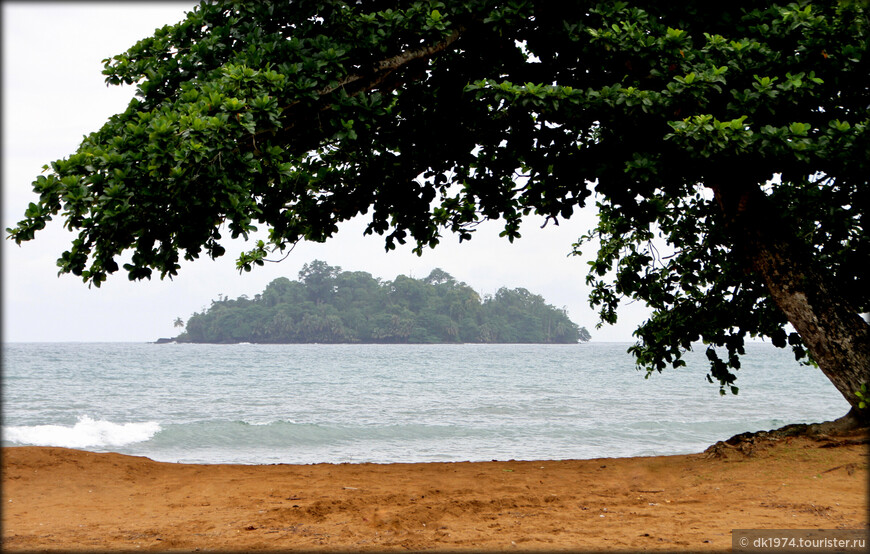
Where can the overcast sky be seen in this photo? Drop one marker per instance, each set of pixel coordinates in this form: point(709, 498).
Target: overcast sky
point(54, 93)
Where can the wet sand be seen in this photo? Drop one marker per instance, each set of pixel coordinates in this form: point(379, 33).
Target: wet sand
point(63, 500)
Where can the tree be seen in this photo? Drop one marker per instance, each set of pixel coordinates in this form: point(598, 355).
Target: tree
point(733, 137)
point(439, 277)
point(319, 278)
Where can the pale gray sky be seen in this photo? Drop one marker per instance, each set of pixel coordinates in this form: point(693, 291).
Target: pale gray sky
point(54, 93)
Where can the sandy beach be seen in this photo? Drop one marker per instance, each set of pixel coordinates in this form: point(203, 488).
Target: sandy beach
point(63, 500)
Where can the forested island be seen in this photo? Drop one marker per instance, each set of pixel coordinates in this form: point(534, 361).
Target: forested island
point(328, 305)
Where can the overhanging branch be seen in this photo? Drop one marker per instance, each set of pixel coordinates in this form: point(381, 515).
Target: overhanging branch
point(380, 73)
point(389, 65)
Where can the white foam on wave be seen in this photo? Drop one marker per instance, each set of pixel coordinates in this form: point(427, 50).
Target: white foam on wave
point(86, 433)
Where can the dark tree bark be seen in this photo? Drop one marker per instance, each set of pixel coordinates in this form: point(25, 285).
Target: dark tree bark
point(836, 336)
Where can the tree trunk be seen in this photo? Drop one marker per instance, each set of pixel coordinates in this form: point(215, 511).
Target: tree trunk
point(836, 336)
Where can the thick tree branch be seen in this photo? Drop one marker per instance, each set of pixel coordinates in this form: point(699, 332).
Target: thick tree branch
point(381, 73)
point(389, 65)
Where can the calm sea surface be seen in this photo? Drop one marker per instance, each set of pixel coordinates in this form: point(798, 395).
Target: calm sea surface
point(260, 404)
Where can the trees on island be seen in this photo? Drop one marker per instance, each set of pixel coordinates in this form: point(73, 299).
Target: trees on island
point(727, 144)
point(327, 305)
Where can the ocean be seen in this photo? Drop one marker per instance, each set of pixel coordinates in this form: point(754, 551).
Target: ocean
point(311, 403)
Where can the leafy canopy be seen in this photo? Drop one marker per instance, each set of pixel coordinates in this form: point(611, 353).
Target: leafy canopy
point(432, 116)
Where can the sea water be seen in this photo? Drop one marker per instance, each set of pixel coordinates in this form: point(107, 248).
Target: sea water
point(262, 404)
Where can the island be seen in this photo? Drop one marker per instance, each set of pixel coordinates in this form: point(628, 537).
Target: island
point(328, 305)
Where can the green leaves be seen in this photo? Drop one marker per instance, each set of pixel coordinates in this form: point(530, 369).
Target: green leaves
point(257, 256)
point(688, 79)
point(799, 129)
point(711, 137)
point(233, 104)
